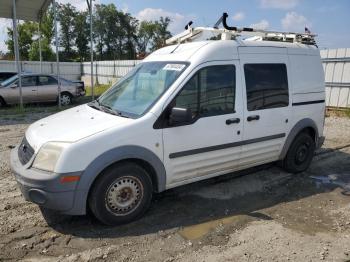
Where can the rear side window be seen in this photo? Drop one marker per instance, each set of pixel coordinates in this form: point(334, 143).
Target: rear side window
point(210, 92)
point(266, 86)
point(47, 80)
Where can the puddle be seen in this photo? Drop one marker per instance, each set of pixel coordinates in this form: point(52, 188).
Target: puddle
point(197, 231)
point(342, 181)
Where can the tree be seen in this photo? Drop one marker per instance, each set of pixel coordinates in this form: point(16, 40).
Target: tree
point(145, 35)
point(129, 25)
point(162, 33)
point(47, 32)
point(82, 33)
point(117, 35)
point(46, 51)
point(26, 33)
point(99, 31)
point(67, 16)
point(47, 25)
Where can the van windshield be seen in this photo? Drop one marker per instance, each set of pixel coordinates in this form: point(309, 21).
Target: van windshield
point(134, 94)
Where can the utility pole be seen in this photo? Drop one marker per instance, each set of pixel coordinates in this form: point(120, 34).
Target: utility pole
point(40, 51)
point(89, 3)
point(57, 55)
point(17, 56)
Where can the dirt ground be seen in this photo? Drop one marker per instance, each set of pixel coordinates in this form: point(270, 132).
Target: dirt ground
point(261, 214)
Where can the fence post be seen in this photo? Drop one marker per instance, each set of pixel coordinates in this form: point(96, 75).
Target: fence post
point(96, 72)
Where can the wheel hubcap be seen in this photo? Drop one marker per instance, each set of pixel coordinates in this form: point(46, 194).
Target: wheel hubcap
point(65, 100)
point(301, 154)
point(124, 195)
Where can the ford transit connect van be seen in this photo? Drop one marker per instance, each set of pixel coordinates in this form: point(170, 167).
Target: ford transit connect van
point(188, 112)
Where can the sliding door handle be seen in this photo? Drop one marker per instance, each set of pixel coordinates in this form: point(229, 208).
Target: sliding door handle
point(254, 117)
point(233, 121)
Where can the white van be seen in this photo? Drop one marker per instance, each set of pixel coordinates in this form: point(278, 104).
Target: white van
point(188, 112)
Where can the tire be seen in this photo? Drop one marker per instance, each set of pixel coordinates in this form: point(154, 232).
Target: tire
point(300, 154)
point(113, 206)
point(2, 102)
point(66, 99)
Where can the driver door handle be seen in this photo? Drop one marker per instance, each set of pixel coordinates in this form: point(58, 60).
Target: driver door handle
point(233, 121)
point(253, 117)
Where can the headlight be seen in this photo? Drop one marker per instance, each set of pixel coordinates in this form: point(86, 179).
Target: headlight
point(48, 156)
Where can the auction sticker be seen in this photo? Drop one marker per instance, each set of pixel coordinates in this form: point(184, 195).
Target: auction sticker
point(174, 67)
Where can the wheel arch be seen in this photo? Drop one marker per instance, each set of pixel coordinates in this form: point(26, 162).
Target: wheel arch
point(68, 93)
point(139, 155)
point(305, 125)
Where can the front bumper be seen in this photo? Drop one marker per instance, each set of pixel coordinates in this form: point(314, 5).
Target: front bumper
point(44, 188)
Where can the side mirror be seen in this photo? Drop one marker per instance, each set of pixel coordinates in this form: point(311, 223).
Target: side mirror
point(14, 86)
point(180, 116)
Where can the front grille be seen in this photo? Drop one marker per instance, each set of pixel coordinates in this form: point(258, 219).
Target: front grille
point(25, 152)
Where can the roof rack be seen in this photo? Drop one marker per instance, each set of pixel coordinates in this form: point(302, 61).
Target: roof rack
point(232, 32)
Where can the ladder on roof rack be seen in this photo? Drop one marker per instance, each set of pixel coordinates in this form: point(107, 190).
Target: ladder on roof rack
point(231, 32)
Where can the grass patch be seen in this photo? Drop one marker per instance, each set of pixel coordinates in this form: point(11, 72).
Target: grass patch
point(338, 112)
point(30, 109)
point(98, 90)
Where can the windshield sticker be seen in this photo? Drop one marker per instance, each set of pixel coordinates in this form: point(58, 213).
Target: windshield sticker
point(174, 67)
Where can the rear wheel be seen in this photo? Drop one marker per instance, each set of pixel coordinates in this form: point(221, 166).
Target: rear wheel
point(66, 99)
point(300, 154)
point(122, 194)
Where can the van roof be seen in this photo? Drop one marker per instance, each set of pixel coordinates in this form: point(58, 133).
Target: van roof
point(219, 49)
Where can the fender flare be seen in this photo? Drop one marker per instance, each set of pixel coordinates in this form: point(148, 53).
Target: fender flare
point(302, 124)
point(108, 158)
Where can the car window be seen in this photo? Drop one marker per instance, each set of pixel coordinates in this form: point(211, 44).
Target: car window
point(29, 81)
point(266, 86)
point(210, 92)
point(9, 81)
point(47, 80)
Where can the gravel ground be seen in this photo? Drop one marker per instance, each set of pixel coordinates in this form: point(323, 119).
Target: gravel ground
point(261, 214)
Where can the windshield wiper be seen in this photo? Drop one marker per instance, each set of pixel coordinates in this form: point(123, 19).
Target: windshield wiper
point(95, 104)
point(110, 110)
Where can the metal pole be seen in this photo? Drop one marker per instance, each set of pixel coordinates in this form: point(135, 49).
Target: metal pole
point(40, 51)
point(91, 53)
point(17, 56)
point(57, 55)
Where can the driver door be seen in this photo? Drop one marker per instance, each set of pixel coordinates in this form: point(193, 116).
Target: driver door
point(209, 144)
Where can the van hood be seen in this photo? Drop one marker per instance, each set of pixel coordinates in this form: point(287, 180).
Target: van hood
point(71, 125)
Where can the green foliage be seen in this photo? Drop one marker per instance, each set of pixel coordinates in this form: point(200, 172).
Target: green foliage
point(161, 33)
point(46, 51)
point(116, 35)
point(82, 33)
point(147, 31)
point(67, 14)
point(98, 90)
point(26, 32)
point(28, 38)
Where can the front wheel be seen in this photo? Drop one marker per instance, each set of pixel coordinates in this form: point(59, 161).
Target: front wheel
point(122, 194)
point(300, 154)
point(2, 102)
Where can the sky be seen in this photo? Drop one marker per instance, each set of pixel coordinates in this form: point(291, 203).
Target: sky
point(329, 19)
